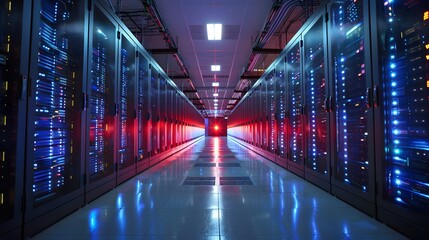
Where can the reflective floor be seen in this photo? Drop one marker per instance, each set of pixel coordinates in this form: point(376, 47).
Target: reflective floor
point(176, 200)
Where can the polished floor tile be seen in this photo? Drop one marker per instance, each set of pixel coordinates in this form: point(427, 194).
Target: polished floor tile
point(157, 205)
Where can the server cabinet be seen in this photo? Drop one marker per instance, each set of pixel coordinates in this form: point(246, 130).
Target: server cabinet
point(401, 92)
point(162, 113)
point(352, 160)
point(264, 114)
point(271, 104)
point(281, 113)
point(54, 128)
point(296, 123)
point(255, 112)
point(170, 105)
point(126, 112)
point(142, 113)
point(315, 98)
point(154, 111)
point(174, 107)
point(13, 96)
point(101, 113)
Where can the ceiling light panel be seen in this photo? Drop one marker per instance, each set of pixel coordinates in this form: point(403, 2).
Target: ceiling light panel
point(215, 84)
point(214, 31)
point(215, 68)
point(215, 94)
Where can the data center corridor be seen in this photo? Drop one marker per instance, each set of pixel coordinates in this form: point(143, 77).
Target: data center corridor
point(217, 189)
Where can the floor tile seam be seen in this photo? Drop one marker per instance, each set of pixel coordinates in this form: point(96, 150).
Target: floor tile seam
point(114, 215)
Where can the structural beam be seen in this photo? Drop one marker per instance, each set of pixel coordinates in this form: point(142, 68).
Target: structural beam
point(182, 77)
point(257, 50)
point(163, 51)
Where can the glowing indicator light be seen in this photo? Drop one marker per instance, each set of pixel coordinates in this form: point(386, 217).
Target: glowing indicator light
point(10, 6)
point(425, 15)
point(216, 127)
point(427, 83)
point(427, 46)
point(2, 198)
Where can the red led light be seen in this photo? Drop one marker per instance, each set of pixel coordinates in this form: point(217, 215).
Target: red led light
point(216, 127)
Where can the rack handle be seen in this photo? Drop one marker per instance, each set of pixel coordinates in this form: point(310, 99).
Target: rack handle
point(368, 97)
point(376, 96)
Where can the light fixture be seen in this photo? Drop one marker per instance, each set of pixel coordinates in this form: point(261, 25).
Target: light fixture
point(215, 68)
point(215, 104)
point(215, 107)
point(214, 31)
point(215, 84)
point(215, 100)
point(217, 94)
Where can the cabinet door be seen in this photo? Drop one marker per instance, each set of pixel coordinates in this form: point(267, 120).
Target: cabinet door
point(102, 107)
point(271, 104)
point(296, 124)
point(13, 65)
point(316, 115)
point(281, 103)
point(162, 113)
point(403, 163)
point(353, 172)
point(154, 108)
point(54, 136)
point(127, 79)
point(142, 108)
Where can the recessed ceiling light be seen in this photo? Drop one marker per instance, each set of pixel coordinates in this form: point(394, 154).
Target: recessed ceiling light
point(214, 31)
point(215, 107)
point(215, 104)
point(215, 94)
point(215, 100)
point(215, 84)
point(215, 68)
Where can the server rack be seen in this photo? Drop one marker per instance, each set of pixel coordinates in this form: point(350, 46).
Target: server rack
point(174, 125)
point(316, 112)
point(352, 160)
point(264, 114)
point(54, 125)
point(127, 115)
point(260, 116)
point(296, 125)
point(142, 112)
point(13, 96)
point(281, 113)
point(169, 116)
point(271, 108)
point(154, 112)
point(102, 108)
point(162, 113)
point(401, 90)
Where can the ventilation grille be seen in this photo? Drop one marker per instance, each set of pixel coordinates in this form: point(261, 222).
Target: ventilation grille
point(229, 165)
point(205, 165)
point(235, 181)
point(200, 181)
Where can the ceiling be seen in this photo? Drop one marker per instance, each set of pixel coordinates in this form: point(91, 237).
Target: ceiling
point(174, 32)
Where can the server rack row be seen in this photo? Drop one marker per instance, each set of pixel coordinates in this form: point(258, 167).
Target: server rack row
point(83, 108)
point(345, 106)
